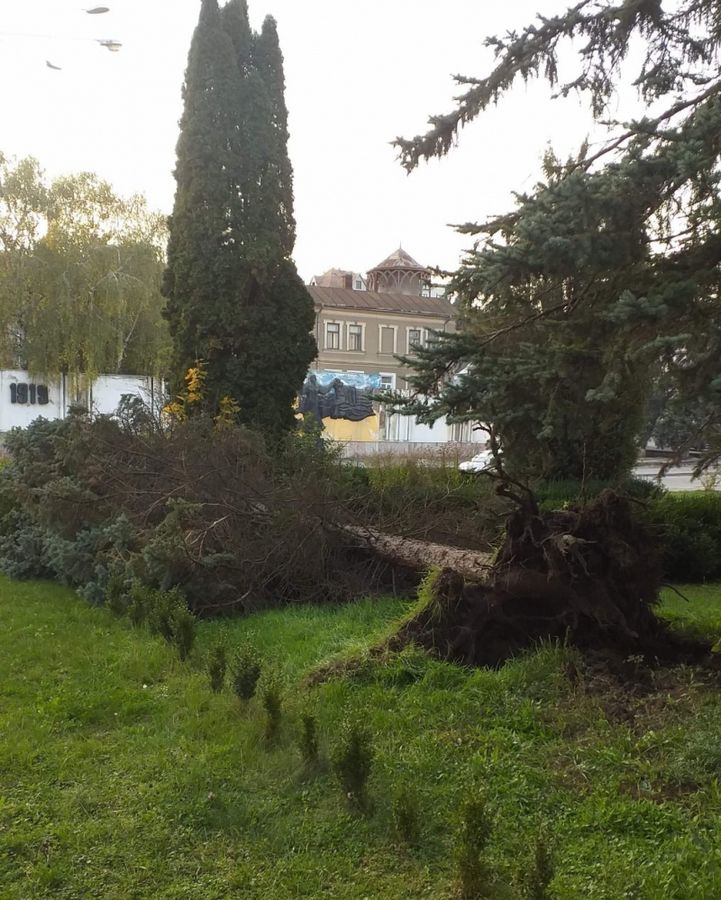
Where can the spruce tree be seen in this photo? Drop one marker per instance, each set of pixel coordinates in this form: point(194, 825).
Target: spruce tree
point(235, 300)
point(608, 272)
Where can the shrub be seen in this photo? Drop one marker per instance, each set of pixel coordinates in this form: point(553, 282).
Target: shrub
point(138, 607)
point(689, 529)
point(166, 614)
point(117, 595)
point(183, 624)
point(406, 815)
point(162, 611)
point(433, 502)
point(309, 740)
point(272, 697)
point(217, 666)
point(555, 494)
point(352, 762)
point(245, 672)
point(473, 837)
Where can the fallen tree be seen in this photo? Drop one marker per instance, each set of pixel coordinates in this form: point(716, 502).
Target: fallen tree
point(101, 505)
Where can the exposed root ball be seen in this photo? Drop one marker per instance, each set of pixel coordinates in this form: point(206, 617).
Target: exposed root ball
point(590, 576)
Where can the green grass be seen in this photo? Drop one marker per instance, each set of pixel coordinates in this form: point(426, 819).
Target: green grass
point(122, 775)
point(699, 614)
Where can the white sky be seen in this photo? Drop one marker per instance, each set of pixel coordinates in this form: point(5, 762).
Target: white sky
point(357, 75)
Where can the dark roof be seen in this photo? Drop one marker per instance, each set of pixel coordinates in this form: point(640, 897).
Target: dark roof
point(399, 259)
point(345, 298)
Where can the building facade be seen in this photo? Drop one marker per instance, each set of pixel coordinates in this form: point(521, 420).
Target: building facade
point(362, 332)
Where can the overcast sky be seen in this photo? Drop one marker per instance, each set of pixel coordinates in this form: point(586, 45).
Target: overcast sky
point(357, 75)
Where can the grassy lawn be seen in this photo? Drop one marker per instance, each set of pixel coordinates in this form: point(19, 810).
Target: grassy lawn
point(122, 775)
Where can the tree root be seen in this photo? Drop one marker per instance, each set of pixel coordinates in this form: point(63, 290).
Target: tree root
point(588, 576)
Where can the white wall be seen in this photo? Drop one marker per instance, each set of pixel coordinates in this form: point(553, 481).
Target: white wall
point(107, 391)
point(100, 397)
point(408, 428)
point(22, 414)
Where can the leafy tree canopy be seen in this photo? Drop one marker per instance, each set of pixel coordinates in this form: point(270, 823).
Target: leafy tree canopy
point(606, 274)
point(80, 273)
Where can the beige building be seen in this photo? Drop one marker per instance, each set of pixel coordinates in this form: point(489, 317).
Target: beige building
point(363, 330)
point(362, 325)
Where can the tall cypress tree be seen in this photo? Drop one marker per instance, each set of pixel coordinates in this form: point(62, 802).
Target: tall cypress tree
point(277, 174)
point(252, 325)
point(195, 283)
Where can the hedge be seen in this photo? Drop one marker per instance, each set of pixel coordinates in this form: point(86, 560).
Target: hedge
point(689, 527)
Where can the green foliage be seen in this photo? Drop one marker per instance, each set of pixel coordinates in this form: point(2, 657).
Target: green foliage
point(166, 614)
point(245, 671)
point(433, 502)
point(474, 833)
point(271, 695)
point(160, 608)
point(352, 763)
point(80, 272)
point(689, 528)
point(217, 667)
point(139, 608)
point(234, 298)
point(309, 740)
point(554, 494)
point(183, 625)
point(117, 594)
point(576, 302)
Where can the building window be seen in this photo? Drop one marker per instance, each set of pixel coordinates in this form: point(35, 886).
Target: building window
point(358, 284)
point(355, 337)
point(332, 335)
point(387, 339)
point(388, 382)
point(415, 338)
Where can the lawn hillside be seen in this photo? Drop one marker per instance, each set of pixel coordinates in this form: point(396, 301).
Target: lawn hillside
point(123, 775)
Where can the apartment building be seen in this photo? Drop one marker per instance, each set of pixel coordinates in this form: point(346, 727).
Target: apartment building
point(363, 330)
point(362, 325)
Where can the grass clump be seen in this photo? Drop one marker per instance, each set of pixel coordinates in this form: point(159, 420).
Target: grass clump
point(475, 831)
point(245, 672)
point(308, 742)
point(352, 763)
point(272, 698)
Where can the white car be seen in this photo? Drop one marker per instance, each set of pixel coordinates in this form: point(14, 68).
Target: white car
point(481, 462)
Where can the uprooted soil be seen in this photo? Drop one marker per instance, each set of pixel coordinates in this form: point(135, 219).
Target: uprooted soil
point(590, 576)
